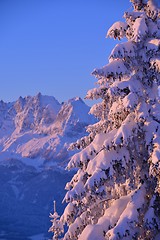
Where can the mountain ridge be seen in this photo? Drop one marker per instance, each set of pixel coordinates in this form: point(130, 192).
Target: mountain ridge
point(41, 127)
point(35, 133)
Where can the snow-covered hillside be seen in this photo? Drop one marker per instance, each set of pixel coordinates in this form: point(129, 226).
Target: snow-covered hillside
point(41, 128)
point(35, 133)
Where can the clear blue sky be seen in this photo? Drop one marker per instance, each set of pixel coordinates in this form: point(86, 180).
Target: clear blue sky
point(52, 46)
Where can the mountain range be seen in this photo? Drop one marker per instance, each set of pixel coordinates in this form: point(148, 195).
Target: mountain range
point(35, 133)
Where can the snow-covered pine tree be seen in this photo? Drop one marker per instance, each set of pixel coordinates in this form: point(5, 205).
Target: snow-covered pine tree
point(57, 225)
point(115, 193)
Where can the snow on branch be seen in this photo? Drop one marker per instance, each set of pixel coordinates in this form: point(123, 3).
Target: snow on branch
point(97, 179)
point(156, 150)
point(128, 218)
point(143, 113)
point(139, 29)
point(96, 110)
point(82, 142)
point(82, 158)
point(119, 219)
point(153, 9)
point(130, 101)
point(123, 50)
point(96, 93)
point(125, 132)
point(131, 16)
point(153, 45)
point(150, 129)
point(99, 127)
point(117, 30)
point(74, 193)
point(114, 69)
point(139, 4)
point(154, 29)
point(155, 64)
point(69, 213)
point(129, 89)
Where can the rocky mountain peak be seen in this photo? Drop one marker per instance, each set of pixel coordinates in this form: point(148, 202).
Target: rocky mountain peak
point(35, 133)
point(39, 126)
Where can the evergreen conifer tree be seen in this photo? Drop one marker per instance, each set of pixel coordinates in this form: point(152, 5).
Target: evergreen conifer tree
point(115, 193)
point(57, 226)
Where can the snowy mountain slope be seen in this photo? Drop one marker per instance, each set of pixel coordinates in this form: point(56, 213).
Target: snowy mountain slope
point(41, 127)
point(35, 133)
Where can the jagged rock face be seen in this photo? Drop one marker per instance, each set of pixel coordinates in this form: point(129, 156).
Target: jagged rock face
point(35, 112)
point(41, 127)
point(35, 133)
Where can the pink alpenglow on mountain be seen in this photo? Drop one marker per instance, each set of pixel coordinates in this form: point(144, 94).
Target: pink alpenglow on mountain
point(41, 128)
